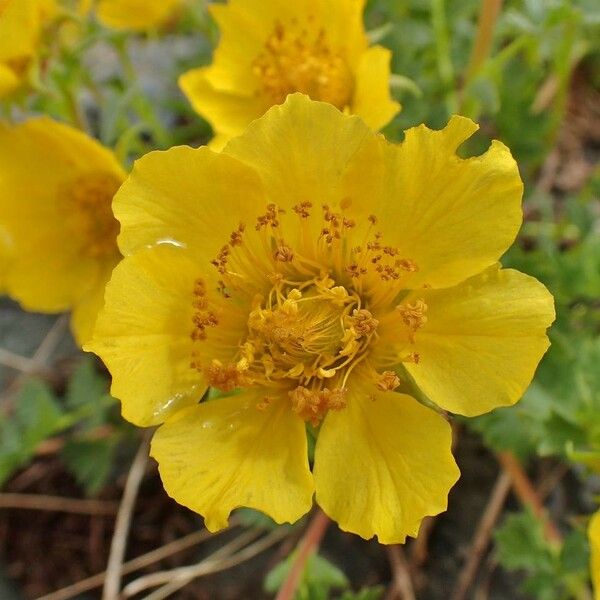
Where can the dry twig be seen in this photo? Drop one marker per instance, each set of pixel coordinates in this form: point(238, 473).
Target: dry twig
point(137, 563)
point(36, 363)
point(403, 586)
point(214, 565)
point(482, 535)
point(58, 504)
point(112, 582)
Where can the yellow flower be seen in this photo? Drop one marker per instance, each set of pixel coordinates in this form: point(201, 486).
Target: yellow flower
point(269, 49)
point(320, 271)
point(594, 535)
point(56, 187)
point(21, 25)
point(137, 15)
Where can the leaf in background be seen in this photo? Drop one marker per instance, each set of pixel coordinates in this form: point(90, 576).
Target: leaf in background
point(90, 461)
point(372, 593)
point(86, 384)
point(37, 416)
point(521, 544)
point(318, 578)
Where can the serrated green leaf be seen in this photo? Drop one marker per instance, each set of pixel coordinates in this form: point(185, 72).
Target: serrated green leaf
point(86, 385)
point(90, 461)
point(318, 578)
point(37, 416)
point(521, 544)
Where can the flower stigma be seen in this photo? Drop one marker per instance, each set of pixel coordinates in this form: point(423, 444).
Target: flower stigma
point(317, 313)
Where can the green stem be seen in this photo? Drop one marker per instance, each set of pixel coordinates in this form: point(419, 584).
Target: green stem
point(442, 47)
point(143, 108)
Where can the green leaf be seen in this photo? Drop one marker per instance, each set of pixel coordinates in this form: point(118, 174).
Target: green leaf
point(371, 593)
point(37, 416)
point(249, 517)
point(90, 461)
point(318, 578)
point(521, 544)
point(86, 385)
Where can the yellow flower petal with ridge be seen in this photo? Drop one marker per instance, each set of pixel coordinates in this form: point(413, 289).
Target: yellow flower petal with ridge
point(188, 197)
point(144, 334)
point(454, 217)
point(383, 464)
point(227, 453)
point(482, 341)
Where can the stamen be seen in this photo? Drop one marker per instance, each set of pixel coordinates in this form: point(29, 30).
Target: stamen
point(224, 377)
point(295, 61)
point(414, 316)
point(388, 381)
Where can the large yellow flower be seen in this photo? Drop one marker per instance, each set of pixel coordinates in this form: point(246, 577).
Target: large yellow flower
point(594, 535)
point(21, 25)
point(56, 188)
point(269, 49)
point(136, 15)
point(314, 273)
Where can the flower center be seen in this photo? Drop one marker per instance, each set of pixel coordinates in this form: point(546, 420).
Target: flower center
point(295, 61)
point(87, 201)
point(312, 298)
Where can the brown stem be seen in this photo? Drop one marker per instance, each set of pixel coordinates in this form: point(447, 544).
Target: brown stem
point(527, 494)
point(306, 547)
point(482, 47)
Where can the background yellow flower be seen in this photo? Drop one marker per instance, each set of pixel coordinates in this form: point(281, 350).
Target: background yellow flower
point(269, 49)
point(138, 15)
point(594, 535)
point(329, 275)
point(21, 25)
point(56, 188)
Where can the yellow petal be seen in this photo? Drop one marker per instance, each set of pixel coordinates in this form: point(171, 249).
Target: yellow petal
point(9, 82)
point(226, 453)
point(594, 535)
point(19, 28)
point(38, 158)
point(228, 112)
point(452, 217)
point(136, 14)
point(87, 308)
point(191, 197)
point(382, 464)
point(372, 101)
point(143, 334)
point(482, 341)
point(301, 150)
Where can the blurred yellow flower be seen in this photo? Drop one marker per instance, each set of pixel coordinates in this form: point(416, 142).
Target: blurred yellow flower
point(323, 273)
point(269, 49)
point(21, 26)
point(594, 535)
point(137, 15)
point(56, 188)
